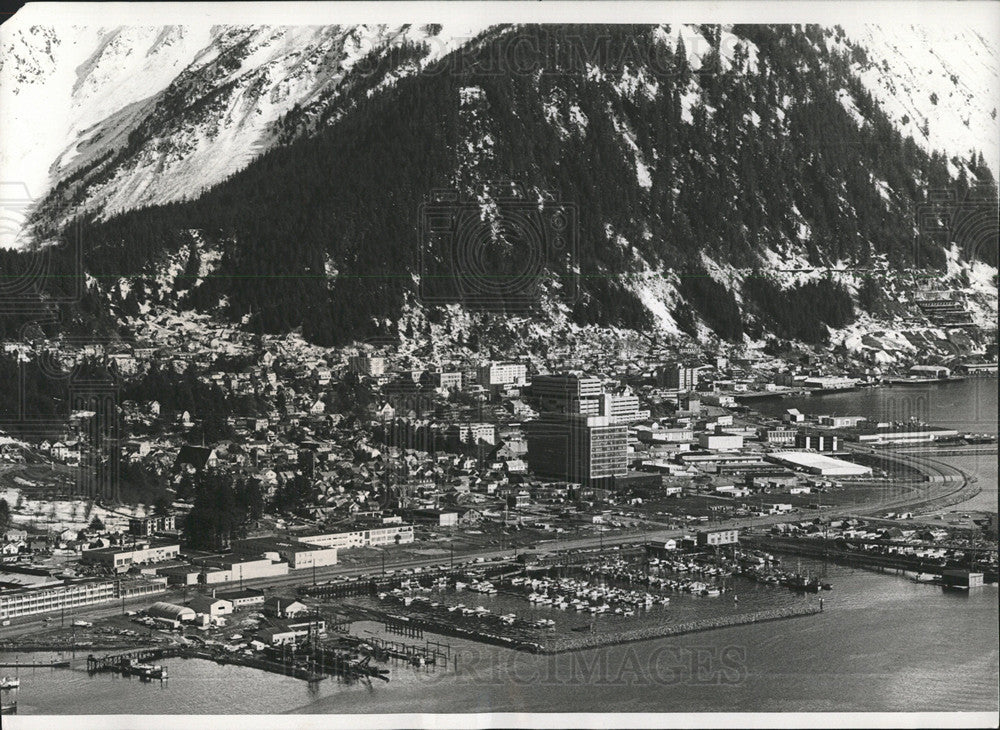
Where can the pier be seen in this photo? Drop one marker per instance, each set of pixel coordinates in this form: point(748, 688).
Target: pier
point(57, 664)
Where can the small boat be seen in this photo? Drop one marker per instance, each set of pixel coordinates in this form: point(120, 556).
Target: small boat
point(710, 592)
point(10, 683)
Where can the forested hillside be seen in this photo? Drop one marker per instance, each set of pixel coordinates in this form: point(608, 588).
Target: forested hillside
point(764, 148)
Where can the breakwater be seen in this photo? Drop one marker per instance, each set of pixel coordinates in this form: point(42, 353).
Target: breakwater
point(580, 641)
point(591, 641)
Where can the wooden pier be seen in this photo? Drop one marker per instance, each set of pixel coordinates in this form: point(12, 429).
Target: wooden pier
point(403, 627)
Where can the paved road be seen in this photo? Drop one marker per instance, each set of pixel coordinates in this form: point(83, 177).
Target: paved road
point(954, 481)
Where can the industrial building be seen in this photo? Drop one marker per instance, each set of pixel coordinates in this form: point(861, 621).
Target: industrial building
point(368, 536)
point(819, 464)
point(139, 553)
point(297, 554)
point(171, 611)
point(211, 606)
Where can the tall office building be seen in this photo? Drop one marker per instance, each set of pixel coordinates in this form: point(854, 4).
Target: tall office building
point(678, 377)
point(588, 450)
point(502, 373)
point(583, 394)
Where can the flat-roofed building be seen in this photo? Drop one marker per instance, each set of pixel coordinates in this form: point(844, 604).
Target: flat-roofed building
point(140, 553)
point(502, 373)
point(297, 554)
point(366, 536)
point(718, 537)
point(812, 463)
point(247, 598)
point(588, 450)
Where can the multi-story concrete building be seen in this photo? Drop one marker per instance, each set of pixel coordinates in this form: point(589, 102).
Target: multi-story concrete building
point(678, 377)
point(146, 526)
point(502, 373)
point(369, 536)
point(29, 601)
point(718, 537)
point(588, 450)
point(123, 557)
point(367, 365)
point(583, 394)
point(450, 381)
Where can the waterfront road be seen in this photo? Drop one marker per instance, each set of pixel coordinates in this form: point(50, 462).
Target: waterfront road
point(947, 483)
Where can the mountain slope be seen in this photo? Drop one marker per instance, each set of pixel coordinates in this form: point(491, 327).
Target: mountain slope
point(693, 189)
point(115, 119)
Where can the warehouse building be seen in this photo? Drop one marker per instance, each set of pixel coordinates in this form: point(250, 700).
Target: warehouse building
point(819, 464)
point(171, 611)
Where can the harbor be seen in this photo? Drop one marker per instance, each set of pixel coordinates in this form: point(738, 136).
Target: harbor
point(892, 607)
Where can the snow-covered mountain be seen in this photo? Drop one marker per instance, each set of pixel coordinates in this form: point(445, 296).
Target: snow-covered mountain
point(718, 180)
point(939, 84)
point(116, 118)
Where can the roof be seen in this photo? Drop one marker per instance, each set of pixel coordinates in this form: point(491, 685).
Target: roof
point(163, 609)
point(205, 603)
point(237, 595)
point(196, 456)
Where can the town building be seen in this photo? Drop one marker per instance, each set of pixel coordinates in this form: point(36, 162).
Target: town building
point(718, 537)
point(71, 595)
point(247, 598)
point(282, 607)
point(139, 553)
point(588, 450)
point(777, 435)
point(297, 554)
point(817, 442)
point(502, 373)
point(366, 365)
point(720, 441)
point(819, 464)
point(211, 606)
point(171, 612)
point(367, 536)
point(436, 517)
point(147, 526)
point(677, 376)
